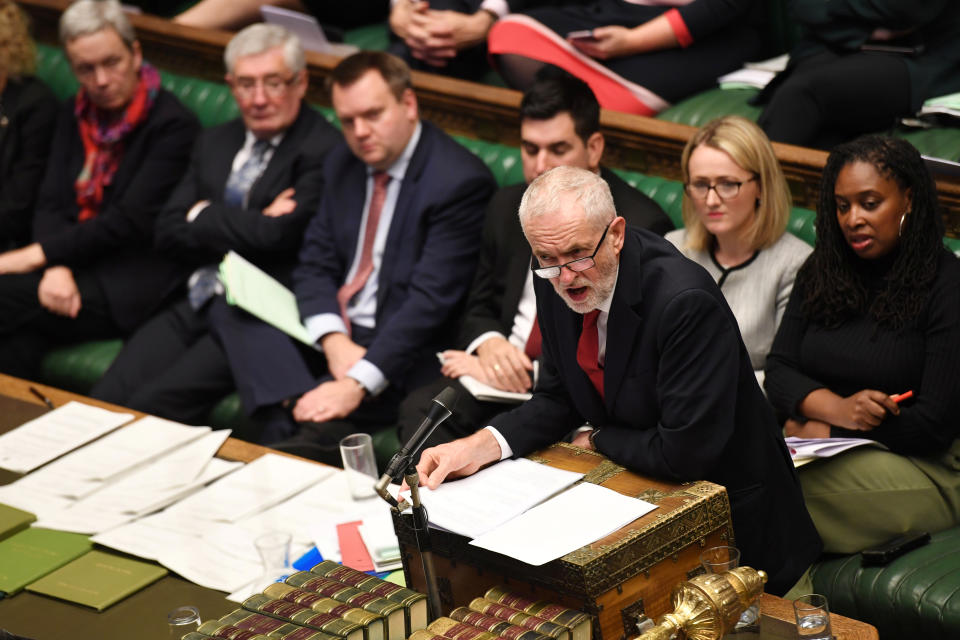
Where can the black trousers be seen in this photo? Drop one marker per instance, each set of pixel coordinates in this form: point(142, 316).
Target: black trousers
point(469, 64)
point(172, 367)
point(28, 330)
point(827, 98)
point(468, 416)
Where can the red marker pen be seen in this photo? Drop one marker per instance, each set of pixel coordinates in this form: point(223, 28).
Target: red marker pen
point(900, 397)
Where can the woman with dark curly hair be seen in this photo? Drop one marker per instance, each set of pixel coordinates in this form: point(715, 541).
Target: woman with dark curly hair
point(874, 313)
point(28, 112)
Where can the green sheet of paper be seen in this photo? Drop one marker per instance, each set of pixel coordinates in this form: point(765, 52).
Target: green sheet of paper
point(256, 292)
point(97, 579)
point(13, 520)
point(35, 552)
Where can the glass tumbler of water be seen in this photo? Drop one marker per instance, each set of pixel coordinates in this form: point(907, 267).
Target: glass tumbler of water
point(813, 617)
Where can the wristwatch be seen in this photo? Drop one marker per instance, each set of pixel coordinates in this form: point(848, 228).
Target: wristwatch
point(592, 438)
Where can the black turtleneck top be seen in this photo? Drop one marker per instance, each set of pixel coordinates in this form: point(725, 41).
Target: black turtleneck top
point(857, 355)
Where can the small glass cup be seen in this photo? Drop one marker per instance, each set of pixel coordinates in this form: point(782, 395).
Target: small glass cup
point(724, 558)
point(359, 464)
point(274, 550)
point(813, 617)
point(182, 621)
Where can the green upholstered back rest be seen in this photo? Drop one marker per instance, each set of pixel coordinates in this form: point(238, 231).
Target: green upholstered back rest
point(213, 104)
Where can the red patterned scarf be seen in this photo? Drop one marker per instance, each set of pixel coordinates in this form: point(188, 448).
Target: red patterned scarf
point(103, 140)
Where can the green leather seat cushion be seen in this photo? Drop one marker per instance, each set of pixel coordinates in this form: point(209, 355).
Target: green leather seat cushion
point(915, 596)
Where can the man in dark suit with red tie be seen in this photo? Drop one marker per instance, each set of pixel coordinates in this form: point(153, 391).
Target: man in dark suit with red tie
point(385, 265)
point(499, 337)
point(251, 186)
point(640, 343)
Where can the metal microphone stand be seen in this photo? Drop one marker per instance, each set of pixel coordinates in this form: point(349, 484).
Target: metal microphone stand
point(403, 463)
point(421, 530)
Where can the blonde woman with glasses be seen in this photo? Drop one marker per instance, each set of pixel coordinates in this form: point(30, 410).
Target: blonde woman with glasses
point(736, 205)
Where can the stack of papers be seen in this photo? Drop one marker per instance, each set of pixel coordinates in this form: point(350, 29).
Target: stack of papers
point(804, 450)
point(515, 508)
point(474, 505)
point(754, 75)
point(53, 434)
point(947, 105)
point(256, 292)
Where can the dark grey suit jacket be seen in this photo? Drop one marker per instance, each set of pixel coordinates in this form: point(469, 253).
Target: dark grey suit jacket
point(680, 401)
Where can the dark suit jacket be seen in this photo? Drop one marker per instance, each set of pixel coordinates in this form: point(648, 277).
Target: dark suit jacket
point(117, 245)
point(430, 255)
point(31, 112)
point(270, 243)
point(505, 256)
point(681, 401)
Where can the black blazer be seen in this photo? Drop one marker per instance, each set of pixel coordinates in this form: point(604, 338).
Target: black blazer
point(270, 243)
point(429, 259)
point(681, 401)
point(505, 255)
point(117, 245)
point(30, 109)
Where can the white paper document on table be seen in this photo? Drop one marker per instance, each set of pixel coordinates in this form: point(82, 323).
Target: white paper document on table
point(575, 518)
point(53, 434)
point(476, 504)
point(92, 467)
point(266, 481)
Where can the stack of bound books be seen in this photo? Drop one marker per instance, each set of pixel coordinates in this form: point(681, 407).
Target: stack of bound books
point(502, 614)
point(329, 602)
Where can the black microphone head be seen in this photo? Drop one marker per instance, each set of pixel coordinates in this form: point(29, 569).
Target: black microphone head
point(447, 399)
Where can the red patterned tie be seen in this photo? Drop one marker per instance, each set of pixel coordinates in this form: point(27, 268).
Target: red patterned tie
point(534, 341)
point(365, 266)
point(588, 351)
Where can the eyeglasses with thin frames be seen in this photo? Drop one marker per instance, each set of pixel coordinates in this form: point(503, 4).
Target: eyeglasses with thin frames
point(273, 86)
point(725, 189)
point(578, 265)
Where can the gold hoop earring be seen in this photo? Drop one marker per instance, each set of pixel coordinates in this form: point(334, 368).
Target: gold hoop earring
point(902, 218)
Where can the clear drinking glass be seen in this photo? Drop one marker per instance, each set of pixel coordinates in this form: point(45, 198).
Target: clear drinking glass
point(359, 464)
point(182, 621)
point(724, 558)
point(274, 550)
point(813, 617)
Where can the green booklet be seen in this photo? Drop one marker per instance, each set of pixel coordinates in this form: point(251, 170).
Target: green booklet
point(34, 553)
point(13, 520)
point(97, 579)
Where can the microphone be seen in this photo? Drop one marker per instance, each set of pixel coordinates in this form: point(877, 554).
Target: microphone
point(441, 408)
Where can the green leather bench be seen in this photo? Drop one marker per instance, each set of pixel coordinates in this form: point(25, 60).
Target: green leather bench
point(915, 596)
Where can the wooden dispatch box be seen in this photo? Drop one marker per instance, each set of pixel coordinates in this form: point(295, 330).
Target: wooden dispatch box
point(616, 578)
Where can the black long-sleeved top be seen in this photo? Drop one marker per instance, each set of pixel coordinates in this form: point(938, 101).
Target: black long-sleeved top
point(857, 355)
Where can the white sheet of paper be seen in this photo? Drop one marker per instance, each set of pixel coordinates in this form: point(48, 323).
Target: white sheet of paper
point(53, 434)
point(476, 504)
point(89, 468)
point(260, 484)
point(80, 518)
point(39, 503)
point(130, 495)
point(140, 539)
point(544, 533)
point(203, 563)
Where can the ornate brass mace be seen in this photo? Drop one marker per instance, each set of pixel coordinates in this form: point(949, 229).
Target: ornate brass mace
point(709, 605)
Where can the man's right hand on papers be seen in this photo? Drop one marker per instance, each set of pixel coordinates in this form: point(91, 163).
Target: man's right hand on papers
point(457, 459)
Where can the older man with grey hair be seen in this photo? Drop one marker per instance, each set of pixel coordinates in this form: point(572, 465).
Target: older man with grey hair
point(251, 187)
point(639, 343)
point(120, 147)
